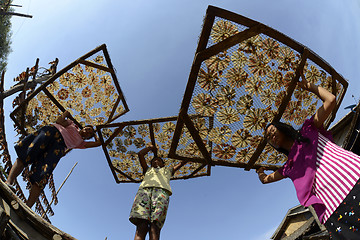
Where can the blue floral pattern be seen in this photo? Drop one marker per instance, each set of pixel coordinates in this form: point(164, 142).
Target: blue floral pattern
point(344, 223)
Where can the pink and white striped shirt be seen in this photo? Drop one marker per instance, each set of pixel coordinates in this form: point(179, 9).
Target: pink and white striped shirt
point(337, 171)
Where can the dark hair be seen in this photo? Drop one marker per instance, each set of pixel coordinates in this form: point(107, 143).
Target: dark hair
point(289, 132)
point(155, 157)
point(92, 127)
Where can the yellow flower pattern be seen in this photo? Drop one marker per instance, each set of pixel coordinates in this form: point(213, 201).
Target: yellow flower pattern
point(127, 142)
point(242, 87)
point(80, 88)
point(236, 92)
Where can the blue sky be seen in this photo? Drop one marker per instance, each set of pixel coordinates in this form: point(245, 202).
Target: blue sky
point(152, 46)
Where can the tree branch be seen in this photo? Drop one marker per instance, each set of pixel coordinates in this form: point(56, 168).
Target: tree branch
point(30, 84)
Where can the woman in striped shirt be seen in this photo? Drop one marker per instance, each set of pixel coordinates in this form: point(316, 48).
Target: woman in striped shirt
point(324, 174)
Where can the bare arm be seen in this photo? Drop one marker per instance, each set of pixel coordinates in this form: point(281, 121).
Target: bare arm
point(329, 100)
point(272, 177)
point(141, 155)
point(178, 166)
point(62, 120)
point(92, 144)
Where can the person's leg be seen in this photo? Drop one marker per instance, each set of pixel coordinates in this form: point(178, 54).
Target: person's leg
point(42, 169)
point(142, 229)
point(15, 170)
point(154, 231)
point(44, 166)
point(40, 176)
point(34, 195)
point(160, 203)
point(140, 213)
point(28, 150)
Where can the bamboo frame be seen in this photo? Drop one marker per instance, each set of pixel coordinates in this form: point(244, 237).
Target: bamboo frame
point(204, 52)
point(150, 123)
point(82, 60)
point(282, 107)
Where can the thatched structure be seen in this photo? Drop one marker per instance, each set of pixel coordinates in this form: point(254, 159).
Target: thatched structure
point(18, 221)
point(300, 223)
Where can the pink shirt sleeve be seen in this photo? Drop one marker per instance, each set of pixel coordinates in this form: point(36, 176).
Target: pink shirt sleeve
point(71, 135)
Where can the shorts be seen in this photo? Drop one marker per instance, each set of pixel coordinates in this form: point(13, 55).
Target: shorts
point(150, 204)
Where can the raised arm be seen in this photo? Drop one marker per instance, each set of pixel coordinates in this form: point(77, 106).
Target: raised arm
point(329, 100)
point(272, 177)
point(92, 144)
point(62, 120)
point(178, 166)
point(141, 155)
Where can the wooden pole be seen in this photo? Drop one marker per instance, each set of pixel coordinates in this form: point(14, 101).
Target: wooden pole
point(52, 200)
point(4, 10)
point(15, 14)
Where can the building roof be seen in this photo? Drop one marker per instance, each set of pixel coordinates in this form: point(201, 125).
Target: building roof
point(18, 221)
point(299, 222)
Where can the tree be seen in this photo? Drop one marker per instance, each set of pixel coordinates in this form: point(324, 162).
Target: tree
point(5, 36)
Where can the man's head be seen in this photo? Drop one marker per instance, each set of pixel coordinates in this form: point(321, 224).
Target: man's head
point(157, 162)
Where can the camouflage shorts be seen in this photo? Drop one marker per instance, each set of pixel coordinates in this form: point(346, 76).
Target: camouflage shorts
point(150, 204)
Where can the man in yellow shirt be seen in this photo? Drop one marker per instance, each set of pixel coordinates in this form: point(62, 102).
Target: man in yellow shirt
point(151, 202)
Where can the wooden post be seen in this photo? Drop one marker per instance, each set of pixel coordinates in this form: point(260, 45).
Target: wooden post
point(4, 10)
point(196, 137)
point(4, 219)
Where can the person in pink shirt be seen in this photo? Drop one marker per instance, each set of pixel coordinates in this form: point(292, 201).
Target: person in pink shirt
point(43, 150)
point(325, 175)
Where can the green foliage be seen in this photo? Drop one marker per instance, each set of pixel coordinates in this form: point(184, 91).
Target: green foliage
point(5, 37)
